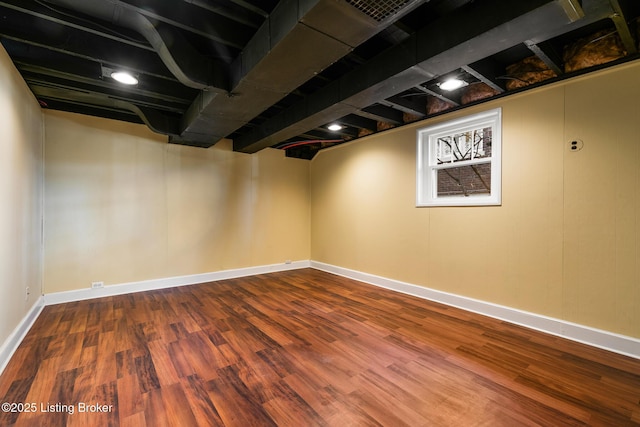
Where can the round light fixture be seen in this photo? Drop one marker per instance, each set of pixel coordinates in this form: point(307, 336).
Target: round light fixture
point(334, 127)
point(124, 78)
point(452, 84)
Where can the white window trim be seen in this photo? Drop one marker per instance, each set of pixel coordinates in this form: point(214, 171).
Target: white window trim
point(426, 192)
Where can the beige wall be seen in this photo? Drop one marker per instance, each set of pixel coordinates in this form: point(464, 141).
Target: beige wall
point(565, 243)
point(123, 206)
point(20, 198)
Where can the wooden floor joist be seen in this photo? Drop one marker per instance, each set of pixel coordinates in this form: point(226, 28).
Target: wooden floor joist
point(304, 348)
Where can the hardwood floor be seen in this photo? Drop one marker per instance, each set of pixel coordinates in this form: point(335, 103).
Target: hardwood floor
point(304, 348)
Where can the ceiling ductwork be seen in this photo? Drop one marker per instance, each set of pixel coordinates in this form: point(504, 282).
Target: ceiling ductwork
point(297, 41)
point(380, 10)
point(424, 55)
point(431, 52)
point(276, 73)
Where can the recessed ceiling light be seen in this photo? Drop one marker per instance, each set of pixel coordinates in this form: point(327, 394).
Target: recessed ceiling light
point(334, 127)
point(124, 78)
point(452, 84)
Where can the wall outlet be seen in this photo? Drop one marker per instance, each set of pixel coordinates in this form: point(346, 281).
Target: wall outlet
point(27, 293)
point(97, 285)
point(576, 145)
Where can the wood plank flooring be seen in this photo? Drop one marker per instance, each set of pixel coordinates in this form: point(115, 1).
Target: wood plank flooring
point(304, 348)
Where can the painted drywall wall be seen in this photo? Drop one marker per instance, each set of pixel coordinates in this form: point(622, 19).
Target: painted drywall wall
point(124, 206)
point(21, 171)
point(566, 241)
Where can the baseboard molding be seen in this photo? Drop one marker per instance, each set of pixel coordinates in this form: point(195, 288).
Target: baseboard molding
point(11, 344)
point(169, 282)
point(598, 338)
point(610, 341)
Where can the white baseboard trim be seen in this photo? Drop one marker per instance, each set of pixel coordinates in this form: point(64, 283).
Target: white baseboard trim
point(169, 282)
point(11, 344)
point(617, 343)
point(625, 345)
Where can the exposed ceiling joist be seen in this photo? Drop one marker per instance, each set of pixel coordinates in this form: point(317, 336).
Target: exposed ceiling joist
point(180, 57)
point(407, 104)
point(428, 51)
point(404, 105)
point(161, 101)
point(487, 73)
point(245, 14)
point(622, 26)
point(39, 11)
point(298, 39)
point(573, 9)
point(269, 73)
point(448, 100)
point(548, 55)
point(359, 122)
point(157, 121)
point(383, 113)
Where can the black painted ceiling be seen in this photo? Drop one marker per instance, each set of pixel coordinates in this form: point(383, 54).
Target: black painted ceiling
point(268, 73)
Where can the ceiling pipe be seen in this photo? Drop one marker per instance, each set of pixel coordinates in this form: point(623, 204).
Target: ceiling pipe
point(188, 66)
point(154, 119)
point(299, 39)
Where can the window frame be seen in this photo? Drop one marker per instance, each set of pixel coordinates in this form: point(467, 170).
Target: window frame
point(426, 170)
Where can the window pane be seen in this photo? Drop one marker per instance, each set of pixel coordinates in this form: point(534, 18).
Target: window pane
point(459, 162)
point(473, 144)
point(464, 180)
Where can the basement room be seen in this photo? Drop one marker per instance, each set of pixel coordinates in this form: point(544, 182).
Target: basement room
point(320, 213)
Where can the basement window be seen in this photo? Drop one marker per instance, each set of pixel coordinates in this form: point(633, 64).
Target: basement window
point(459, 162)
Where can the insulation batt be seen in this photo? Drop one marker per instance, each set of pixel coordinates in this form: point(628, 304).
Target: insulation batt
point(384, 126)
point(528, 71)
point(477, 91)
point(436, 105)
point(408, 118)
point(364, 132)
point(599, 48)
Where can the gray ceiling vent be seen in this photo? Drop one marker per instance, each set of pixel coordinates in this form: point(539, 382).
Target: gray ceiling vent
point(380, 9)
